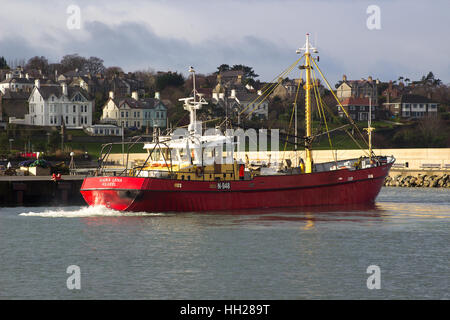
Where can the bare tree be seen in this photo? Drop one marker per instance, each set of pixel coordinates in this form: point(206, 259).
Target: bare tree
point(113, 71)
point(94, 65)
point(72, 62)
point(38, 63)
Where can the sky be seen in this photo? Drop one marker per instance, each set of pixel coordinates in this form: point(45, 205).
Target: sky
point(407, 38)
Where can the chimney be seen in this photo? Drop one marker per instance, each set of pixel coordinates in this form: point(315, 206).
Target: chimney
point(134, 95)
point(111, 94)
point(157, 96)
point(37, 83)
point(369, 79)
point(64, 89)
point(344, 78)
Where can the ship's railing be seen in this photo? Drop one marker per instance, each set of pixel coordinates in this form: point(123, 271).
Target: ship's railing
point(107, 149)
point(353, 164)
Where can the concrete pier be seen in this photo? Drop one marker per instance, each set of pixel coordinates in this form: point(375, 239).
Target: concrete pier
point(40, 190)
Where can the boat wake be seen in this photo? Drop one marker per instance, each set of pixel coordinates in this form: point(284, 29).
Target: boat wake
point(93, 211)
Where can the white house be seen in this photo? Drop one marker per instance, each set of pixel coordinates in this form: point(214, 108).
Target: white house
point(411, 106)
point(16, 84)
point(104, 130)
point(134, 112)
point(54, 105)
point(249, 104)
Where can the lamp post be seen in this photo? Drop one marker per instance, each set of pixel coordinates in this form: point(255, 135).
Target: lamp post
point(10, 144)
point(72, 163)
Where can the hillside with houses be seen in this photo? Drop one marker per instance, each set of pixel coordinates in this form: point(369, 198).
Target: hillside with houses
point(78, 102)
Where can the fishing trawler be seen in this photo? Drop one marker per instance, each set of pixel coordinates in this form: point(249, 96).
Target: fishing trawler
point(195, 170)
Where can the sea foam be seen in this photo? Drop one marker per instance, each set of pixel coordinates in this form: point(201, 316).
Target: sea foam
point(77, 212)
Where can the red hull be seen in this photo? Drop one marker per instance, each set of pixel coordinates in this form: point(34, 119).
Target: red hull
point(340, 187)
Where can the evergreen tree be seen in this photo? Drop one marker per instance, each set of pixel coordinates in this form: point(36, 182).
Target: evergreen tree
point(3, 64)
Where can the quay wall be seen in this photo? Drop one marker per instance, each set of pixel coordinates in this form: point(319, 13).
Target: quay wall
point(40, 190)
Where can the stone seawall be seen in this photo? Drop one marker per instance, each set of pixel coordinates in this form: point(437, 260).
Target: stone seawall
point(436, 180)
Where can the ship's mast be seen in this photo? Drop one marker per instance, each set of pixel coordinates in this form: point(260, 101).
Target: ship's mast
point(192, 105)
point(369, 128)
point(307, 50)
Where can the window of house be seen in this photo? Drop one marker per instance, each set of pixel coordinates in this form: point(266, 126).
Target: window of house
point(122, 114)
point(67, 120)
point(73, 120)
point(74, 108)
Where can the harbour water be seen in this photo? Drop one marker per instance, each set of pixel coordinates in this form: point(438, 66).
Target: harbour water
point(317, 253)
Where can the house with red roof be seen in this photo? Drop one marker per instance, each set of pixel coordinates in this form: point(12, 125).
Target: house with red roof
point(358, 109)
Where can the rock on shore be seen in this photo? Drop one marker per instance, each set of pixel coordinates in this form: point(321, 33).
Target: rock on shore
point(422, 180)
